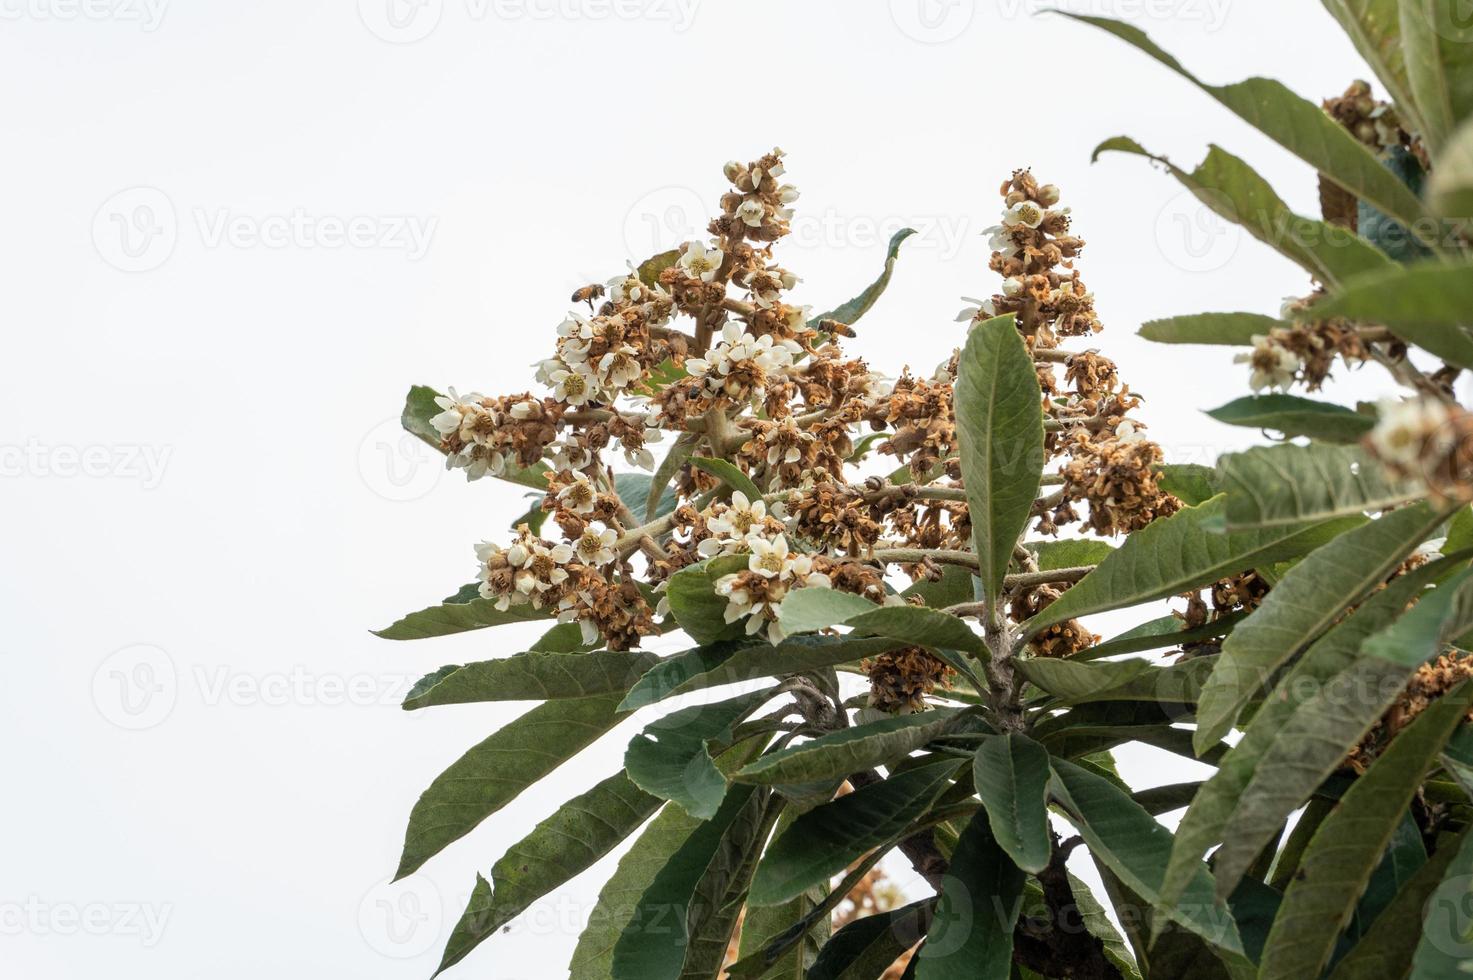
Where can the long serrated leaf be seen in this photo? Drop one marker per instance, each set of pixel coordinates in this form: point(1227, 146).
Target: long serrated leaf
point(1012, 774)
point(972, 935)
point(536, 676)
point(850, 750)
point(999, 423)
point(805, 610)
point(1180, 552)
point(1295, 416)
point(671, 757)
point(559, 848)
point(654, 943)
point(1429, 627)
point(1234, 191)
point(867, 947)
point(1275, 486)
point(1296, 124)
point(1446, 943)
point(494, 772)
point(850, 312)
point(1313, 594)
point(1321, 897)
point(1436, 35)
point(823, 841)
point(1257, 799)
point(1426, 304)
point(1226, 329)
point(458, 614)
point(1128, 840)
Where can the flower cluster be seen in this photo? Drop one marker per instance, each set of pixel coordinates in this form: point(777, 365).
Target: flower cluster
point(901, 680)
point(756, 595)
point(1427, 441)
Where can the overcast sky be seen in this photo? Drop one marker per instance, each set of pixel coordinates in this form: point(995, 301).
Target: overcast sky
point(236, 233)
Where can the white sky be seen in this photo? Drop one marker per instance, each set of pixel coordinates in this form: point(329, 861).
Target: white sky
point(247, 511)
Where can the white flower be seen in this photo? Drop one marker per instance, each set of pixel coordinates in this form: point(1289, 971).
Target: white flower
point(1012, 286)
point(804, 574)
point(787, 193)
point(640, 457)
point(999, 239)
point(740, 518)
point(596, 545)
point(626, 288)
point(1273, 364)
point(1024, 213)
point(1127, 432)
point(980, 308)
point(1404, 428)
point(456, 409)
point(619, 367)
point(524, 409)
point(701, 262)
point(573, 385)
point(579, 496)
point(751, 212)
point(770, 559)
point(569, 455)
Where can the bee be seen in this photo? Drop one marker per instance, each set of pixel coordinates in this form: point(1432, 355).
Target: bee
point(587, 294)
point(835, 327)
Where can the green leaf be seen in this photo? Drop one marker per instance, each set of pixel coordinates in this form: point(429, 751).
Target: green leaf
point(716, 909)
point(826, 839)
point(805, 610)
point(1295, 416)
point(1227, 329)
point(999, 423)
point(1426, 304)
point(837, 754)
point(1012, 774)
point(1073, 682)
point(729, 663)
point(1174, 554)
point(460, 613)
point(1167, 631)
point(671, 758)
point(1069, 552)
point(1127, 840)
point(1388, 946)
point(695, 604)
point(649, 270)
point(1275, 486)
point(1308, 727)
point(1344, 851)
point(563, 638)
point(1314, 594)
point(535, 676)
point(1450, 189)
point(1374, 27)
point(1436, 35)
point(971, 937)
point(1430, 626)
point(866, 947)
point(1446, 946)
point(494, 772)
point(635, 489)
point(1190, 483)
point(1233, 190)
point(770, 928)
point(654, 943)
point(1296, 124)
point(850, 312)
point(561, 847)
point(728, 473)
point(617, 901)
